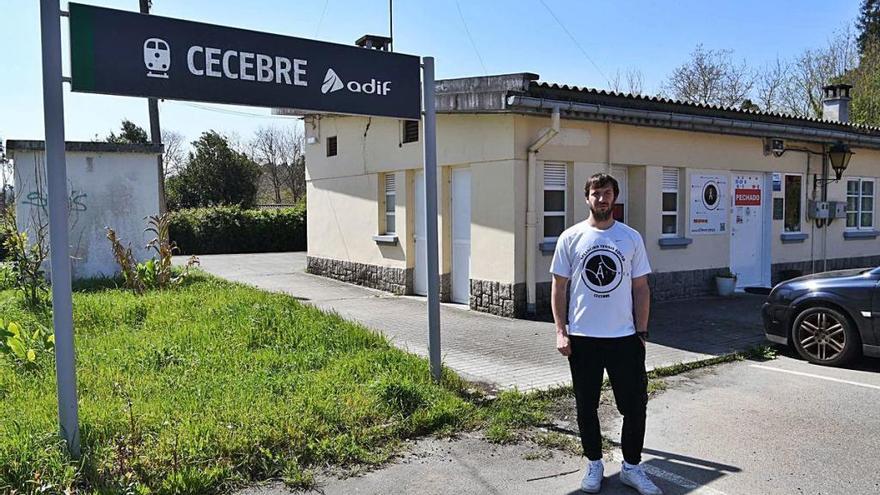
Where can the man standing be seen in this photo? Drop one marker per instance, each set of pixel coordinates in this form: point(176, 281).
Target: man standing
point(607, 326)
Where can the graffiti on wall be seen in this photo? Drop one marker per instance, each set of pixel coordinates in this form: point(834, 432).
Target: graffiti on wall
point(75, 203)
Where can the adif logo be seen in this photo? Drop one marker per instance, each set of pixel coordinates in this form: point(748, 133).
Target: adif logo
point(332, 83)
point(157, 58)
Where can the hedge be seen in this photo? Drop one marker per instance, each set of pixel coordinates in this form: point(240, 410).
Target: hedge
point(230, 229)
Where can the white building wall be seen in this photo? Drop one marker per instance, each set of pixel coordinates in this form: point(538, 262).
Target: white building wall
point(117, 190)
point(343, 190)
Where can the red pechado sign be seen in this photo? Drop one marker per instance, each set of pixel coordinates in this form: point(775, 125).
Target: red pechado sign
point(747, 197)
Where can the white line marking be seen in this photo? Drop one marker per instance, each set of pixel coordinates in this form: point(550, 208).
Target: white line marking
point(692, 487)
point(848, 382)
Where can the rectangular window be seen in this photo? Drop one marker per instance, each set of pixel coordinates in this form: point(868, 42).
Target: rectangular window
point(555, 184)
point(860, 203)
point(390, 203)
point(410, 131)
point(670, 202)
point(331, 146)
point(792, 206)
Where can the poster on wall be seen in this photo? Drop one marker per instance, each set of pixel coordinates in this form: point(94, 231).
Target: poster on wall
point(708, 208)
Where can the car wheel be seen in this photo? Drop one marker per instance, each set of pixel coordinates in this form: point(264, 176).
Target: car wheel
point(823, 335)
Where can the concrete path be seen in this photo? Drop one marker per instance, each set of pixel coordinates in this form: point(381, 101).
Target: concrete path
point(498, 352)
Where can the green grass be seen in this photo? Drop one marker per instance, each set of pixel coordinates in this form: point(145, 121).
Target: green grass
point(511, 412)
point(213, 385)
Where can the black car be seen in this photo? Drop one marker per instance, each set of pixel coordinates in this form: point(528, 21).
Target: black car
point(828, 317)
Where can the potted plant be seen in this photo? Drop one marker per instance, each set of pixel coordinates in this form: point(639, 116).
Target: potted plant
point(725, 281)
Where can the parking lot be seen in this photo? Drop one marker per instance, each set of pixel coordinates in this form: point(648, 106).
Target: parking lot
point(780, 426)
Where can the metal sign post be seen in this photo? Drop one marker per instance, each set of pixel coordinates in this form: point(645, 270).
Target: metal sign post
point(430, 156)
point(129, 54)
point(56, 171)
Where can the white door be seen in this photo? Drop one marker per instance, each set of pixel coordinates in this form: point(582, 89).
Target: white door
point(747, 229)
point(461, 235)
point(420, 277)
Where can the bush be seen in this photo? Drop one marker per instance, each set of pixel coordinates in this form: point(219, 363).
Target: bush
point(155, 273)
point(230, 229)
point(26, 259)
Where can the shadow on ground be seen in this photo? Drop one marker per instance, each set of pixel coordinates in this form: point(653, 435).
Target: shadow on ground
point(712, 325)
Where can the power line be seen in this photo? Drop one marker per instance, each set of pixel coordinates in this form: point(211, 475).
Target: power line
point(474, 45)
point(321, 20)
point(581, 48)
point(231, 112)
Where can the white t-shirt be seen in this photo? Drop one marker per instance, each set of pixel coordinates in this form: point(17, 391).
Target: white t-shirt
point(601, 265)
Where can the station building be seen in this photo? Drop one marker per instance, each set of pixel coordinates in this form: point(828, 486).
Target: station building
point(710, 189)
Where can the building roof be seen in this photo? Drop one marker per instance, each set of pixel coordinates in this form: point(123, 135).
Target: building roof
point(659, 104)
point(13, 145)
point(525, 93)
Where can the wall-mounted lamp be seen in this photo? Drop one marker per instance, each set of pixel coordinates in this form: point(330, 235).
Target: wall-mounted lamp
point(839, 155)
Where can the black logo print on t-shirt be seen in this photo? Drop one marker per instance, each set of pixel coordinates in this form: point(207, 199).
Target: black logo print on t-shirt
point(602, 269)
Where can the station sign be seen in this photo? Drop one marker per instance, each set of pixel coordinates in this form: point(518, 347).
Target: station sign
point(125, 53)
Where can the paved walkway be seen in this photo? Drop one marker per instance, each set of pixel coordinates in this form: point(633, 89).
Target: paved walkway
point(499, 352)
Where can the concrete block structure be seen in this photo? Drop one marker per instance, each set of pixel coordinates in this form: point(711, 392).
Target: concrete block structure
point(109, 185)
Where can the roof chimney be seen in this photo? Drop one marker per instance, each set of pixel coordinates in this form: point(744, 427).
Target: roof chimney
point(835, 104)
point(374, 41)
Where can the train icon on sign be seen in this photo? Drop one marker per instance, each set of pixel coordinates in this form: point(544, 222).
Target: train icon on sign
point(157, 58)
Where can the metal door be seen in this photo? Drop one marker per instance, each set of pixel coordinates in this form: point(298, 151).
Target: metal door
point(461, 235)
point(747, 229)
point(420, 276)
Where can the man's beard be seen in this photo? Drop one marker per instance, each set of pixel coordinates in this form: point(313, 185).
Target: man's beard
point(601, 216)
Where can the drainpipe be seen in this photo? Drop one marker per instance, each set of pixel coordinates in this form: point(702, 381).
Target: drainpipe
point(531, 235)
point(826, 222)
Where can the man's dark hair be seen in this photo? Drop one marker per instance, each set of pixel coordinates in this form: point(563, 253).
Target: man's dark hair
point(598, 181)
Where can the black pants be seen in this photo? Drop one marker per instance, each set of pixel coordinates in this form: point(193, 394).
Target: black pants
point(624, 358)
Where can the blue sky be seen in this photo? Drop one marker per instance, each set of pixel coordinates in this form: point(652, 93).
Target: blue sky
point(510, 36)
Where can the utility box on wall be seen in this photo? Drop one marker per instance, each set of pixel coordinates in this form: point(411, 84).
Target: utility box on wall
point(837, 209)
point(108, 185)
point(826, 209)
point(818, 209)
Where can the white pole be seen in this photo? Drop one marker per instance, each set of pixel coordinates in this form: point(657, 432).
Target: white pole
point(430, 120)
point(56, 168)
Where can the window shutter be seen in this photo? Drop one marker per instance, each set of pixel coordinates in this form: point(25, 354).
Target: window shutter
point(554, 175)
point(410, 131)
point(331, 146)
point(389, 183)
point(670, 179)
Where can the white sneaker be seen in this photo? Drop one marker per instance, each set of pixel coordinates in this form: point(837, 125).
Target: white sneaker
point(593, 477)
point(635, 477)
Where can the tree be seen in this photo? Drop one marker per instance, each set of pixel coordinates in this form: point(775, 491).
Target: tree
point(214, 175)
point(865, 79)
point(632, 82)
point(770, 86)
point(814, 69)
point(279, 151)
point(5, 176)
point(868, 25)
point(131, 134)
point(269, 152)
point(174, 155)
point(710, 77)
point(296, 172)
